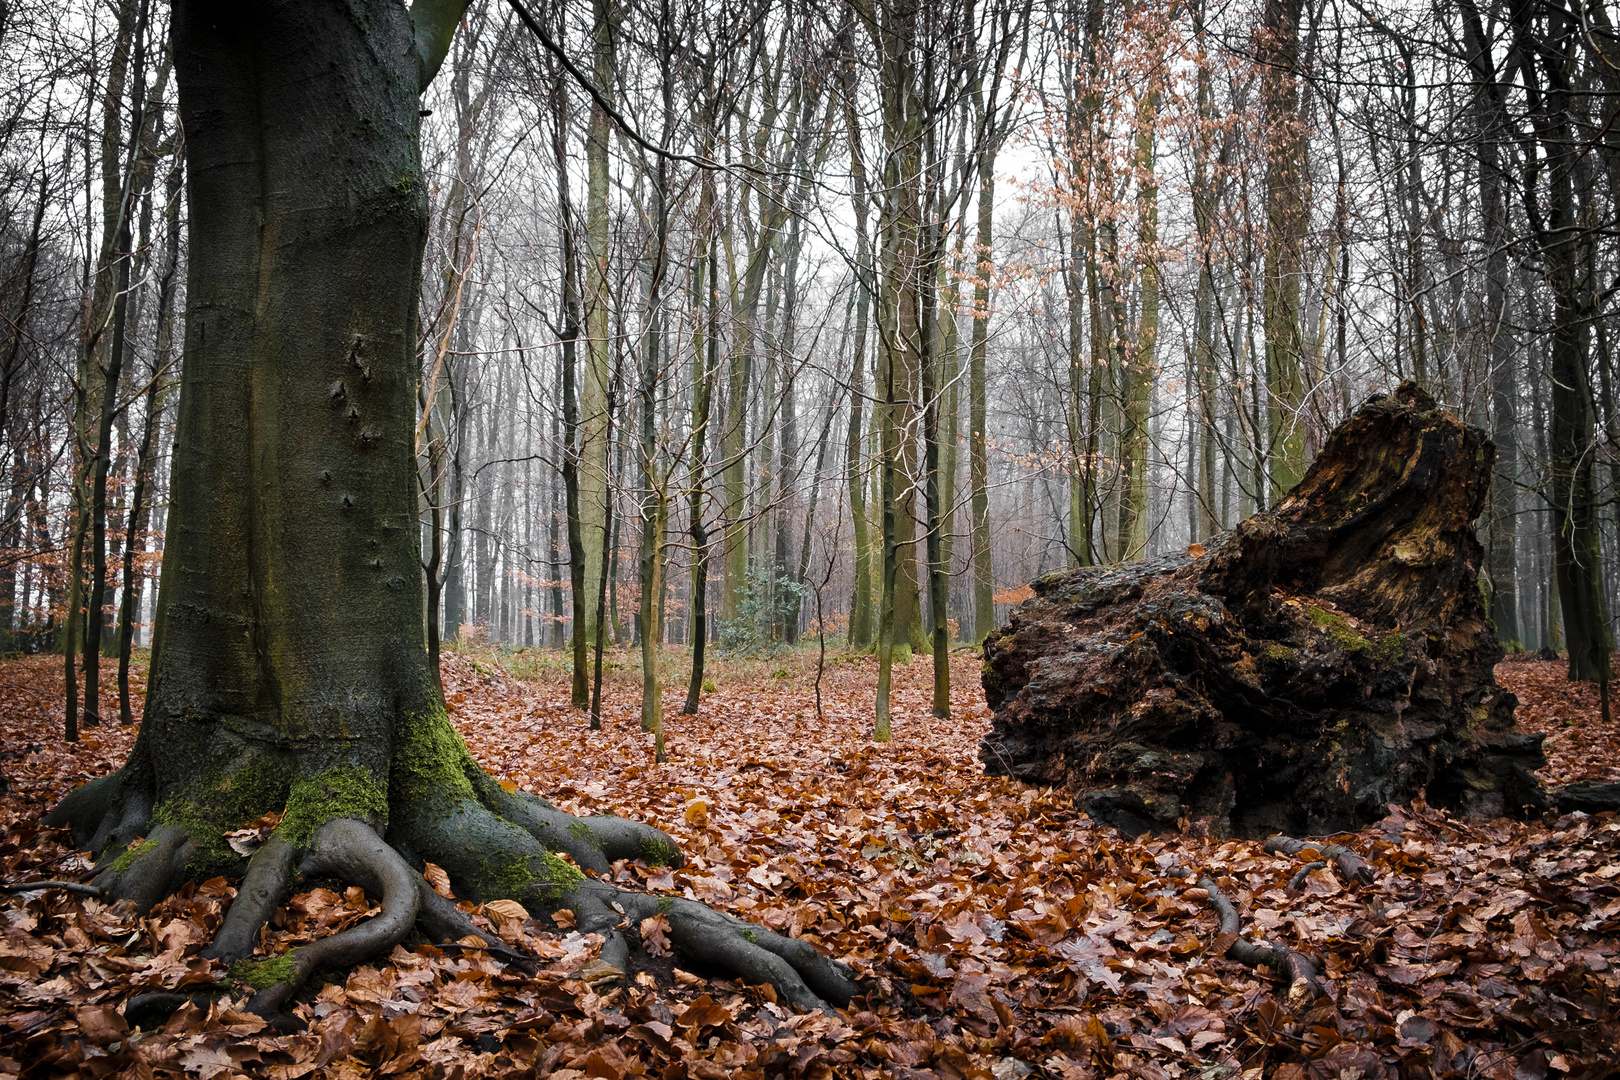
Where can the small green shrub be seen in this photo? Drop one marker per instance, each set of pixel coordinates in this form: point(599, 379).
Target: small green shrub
point(763, 604)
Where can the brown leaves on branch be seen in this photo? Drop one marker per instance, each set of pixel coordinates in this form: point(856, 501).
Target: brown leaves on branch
point(1000, 934)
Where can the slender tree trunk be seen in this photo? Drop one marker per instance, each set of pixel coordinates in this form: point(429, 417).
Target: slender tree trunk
point(654, 477)
point(140, 501)
point(984, 580)
point(1286, 219)
point(594, 484)
point(577, 553)
point(707, 355)
point(1577, 548)
point(1502, 561)
point(15, 328)
point(1205, 204)
point(937, 571)
point(1138, 369)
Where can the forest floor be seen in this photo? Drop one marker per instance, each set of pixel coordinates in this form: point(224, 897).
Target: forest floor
point(998, 934)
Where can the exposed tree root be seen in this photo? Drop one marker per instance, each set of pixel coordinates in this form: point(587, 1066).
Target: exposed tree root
point(805, 979)
point(1350, 865)
point(151, 1010)
point(441, 921)
point(593, 843)
point(1297, 882)
point(264, 886)
point(1303, 985)
point(439, 807)
point(152, 871)
point(350, 850)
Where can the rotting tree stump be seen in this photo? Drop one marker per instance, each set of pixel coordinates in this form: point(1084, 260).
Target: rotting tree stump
point(1320, 661)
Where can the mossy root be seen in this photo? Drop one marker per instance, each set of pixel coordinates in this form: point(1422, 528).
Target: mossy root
point(350, 850)
point(264, 886)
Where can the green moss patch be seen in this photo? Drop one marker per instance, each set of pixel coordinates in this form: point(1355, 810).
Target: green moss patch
point(341, 792)
point(263, 974)
point(582, 831)
point(1278, 652)
point(1388, 648)
point(657, 851)
point(211, 857)
point(430, 761)
point(127, 859)
point(1338, 628)
point(543, 877)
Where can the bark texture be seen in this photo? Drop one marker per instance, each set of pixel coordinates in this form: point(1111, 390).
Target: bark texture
point(1321, 660)
point(290, 670)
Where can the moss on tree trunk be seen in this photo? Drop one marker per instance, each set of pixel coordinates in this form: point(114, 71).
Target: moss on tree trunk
point(289, 670)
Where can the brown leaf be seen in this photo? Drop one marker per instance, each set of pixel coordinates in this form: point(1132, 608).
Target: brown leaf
point(101, 1024)
point(655, 935)
point(437, 878)
point(703, 1013)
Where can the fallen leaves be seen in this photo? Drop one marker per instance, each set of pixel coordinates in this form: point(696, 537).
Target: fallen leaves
point(998, 933)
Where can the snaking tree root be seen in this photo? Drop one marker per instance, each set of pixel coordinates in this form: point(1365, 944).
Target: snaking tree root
point(1297, 882)
point(1303, 985)
point(1351, 867)
point(435, 805)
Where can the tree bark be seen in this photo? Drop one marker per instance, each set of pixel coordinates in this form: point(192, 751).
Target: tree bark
point(1286, 219)
point(984, 581)
point(290, 669)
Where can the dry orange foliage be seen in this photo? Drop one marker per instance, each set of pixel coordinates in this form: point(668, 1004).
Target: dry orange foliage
point(999, 934)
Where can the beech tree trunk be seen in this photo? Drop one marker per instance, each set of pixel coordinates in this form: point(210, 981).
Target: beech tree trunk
point(1320, 661)
point(290, 668)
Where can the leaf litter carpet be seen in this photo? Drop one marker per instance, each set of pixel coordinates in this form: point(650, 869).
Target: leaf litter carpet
point(999, 935)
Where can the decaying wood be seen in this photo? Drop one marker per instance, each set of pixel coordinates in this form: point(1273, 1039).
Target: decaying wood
point(1587, 796)
point(1320, 661)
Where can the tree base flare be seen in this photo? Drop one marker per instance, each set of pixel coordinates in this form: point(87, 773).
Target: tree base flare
point(439, 807)
point(1320, 661)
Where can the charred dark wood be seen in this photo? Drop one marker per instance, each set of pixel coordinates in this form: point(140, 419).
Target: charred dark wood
point(1320, 661)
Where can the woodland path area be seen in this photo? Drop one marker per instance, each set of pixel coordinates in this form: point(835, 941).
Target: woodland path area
point(998, 934)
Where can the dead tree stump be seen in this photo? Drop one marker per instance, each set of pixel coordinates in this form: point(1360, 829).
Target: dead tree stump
point(1323, 659)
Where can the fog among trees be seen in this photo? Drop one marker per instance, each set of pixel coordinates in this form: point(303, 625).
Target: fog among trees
point(744, 321)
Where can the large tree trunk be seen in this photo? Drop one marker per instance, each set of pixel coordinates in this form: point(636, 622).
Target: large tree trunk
point(1323, 659)
point(290, 669)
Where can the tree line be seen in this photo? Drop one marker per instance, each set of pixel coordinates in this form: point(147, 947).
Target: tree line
point(743, 320)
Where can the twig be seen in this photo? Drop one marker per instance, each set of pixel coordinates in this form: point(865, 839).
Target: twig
point(66, 886)
point(501, 951)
